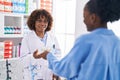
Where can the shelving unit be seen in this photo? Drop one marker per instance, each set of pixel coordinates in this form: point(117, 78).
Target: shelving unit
point(13, 19)
point(11, 25)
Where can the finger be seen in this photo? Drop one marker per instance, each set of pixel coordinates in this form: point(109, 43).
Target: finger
point(36, 51)
point(35, 54)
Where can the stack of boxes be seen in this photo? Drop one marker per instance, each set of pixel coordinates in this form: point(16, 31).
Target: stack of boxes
point(7, 6)
point(1, 5)
point(46, 4)
point(14, 6)
point(12, 30)
point(18, 6)
point(8, 46)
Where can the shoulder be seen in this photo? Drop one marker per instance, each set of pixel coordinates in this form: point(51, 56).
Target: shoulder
point(50, 33)
point(85, 36)
point(29, 35)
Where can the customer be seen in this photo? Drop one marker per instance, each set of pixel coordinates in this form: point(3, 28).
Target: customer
point(96, 55)
point(40, 23)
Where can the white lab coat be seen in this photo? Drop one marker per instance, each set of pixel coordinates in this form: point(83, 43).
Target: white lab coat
point(36, 68)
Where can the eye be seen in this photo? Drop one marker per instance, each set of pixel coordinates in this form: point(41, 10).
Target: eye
point(45, 21)
point(39, 21)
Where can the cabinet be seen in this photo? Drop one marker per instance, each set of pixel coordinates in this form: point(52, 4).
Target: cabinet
point(11, 29)
point(11, 25)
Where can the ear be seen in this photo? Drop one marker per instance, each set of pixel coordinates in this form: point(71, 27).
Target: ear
point(93, 18)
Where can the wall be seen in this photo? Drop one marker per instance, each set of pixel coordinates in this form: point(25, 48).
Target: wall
point(80, 26)
point(64, 23)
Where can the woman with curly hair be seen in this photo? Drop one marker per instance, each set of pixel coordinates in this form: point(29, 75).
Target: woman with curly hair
point(40, 38)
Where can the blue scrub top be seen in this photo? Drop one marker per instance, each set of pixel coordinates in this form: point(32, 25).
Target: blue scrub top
point(94, 56)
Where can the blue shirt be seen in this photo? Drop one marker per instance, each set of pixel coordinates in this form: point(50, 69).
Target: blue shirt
point(94, 56)
point(44, 39)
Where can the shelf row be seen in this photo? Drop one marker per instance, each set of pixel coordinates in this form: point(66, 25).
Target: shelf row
point(12, 25)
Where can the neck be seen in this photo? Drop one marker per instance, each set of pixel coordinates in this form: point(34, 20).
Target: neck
point(99, 26)
point(40, 34)
point(104, 25)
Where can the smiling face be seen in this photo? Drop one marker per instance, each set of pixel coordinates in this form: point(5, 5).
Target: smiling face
point(41, 24)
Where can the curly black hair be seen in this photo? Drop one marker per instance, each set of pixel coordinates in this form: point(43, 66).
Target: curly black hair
point(35, 15)
point(107, 10)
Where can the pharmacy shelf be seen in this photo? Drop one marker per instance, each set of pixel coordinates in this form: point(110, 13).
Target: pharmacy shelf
point(11, 25)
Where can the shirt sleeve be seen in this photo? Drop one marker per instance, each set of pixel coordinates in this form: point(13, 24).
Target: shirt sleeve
point(69, 66)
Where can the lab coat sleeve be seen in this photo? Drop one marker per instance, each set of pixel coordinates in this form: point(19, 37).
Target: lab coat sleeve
point(25, 58)
point(24, 55)
point(56, 43)
point(57, 49)
point(24, 47)
point(69, 66)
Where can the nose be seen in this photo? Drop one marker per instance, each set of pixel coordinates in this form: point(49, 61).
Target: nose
point(43, 23)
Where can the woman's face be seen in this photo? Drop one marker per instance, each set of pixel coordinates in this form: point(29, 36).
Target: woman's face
point(41, 24)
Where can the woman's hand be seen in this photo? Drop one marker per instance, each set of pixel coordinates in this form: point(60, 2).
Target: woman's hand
point(38, 55)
